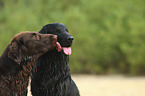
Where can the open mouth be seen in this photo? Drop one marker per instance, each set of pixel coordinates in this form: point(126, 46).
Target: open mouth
point(66, 50)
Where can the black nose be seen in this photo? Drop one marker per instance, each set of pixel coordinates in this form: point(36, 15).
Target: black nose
point(70, 38)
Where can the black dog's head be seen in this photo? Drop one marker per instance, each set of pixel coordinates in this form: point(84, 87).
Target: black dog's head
point(64, 38)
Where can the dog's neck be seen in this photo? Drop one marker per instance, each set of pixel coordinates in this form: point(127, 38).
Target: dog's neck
point(54, 64)
point(21, 72)
point(53, 60)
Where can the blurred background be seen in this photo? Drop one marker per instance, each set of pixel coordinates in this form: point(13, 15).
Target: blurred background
point(109, 36)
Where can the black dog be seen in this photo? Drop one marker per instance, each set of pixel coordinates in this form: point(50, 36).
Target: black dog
point(52, 76)
point(18, 59)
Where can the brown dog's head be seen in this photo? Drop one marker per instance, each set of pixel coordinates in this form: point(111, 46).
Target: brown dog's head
point(30, 44)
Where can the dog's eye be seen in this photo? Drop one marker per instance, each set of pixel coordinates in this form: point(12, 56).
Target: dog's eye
point(36, 37)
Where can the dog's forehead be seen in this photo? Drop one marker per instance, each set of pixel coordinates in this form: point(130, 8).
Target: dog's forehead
point(61, 26)
point(56, 26)
point(24, 35)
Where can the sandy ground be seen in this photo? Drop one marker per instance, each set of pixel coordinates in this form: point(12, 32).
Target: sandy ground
point(92, 85)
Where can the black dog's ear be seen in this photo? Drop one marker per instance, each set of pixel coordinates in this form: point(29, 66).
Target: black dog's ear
point(15, 52)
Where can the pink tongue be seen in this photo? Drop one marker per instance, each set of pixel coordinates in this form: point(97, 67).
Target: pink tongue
point(66, 50)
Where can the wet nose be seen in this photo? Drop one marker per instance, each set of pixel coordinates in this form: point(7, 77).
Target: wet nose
point(70, 38)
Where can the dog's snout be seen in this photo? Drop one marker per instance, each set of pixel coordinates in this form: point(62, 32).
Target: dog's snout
point(53, 37)
point(70, 38)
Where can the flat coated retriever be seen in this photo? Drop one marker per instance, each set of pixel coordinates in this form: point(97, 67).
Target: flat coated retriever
point(18, 59)
point(52, 74)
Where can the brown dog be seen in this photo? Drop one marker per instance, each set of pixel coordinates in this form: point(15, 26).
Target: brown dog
point(18, 59)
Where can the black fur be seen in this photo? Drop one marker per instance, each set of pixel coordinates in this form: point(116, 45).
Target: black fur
point(52, 74)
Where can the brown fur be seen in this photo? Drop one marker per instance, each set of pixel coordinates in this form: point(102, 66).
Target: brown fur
point(18, 59)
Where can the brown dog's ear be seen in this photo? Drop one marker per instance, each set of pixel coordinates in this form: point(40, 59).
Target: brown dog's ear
point(15, 52)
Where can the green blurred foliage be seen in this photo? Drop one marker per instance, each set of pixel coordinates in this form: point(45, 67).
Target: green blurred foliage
point(109, 35)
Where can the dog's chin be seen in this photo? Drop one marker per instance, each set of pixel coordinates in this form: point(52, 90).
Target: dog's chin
point(66, 50)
